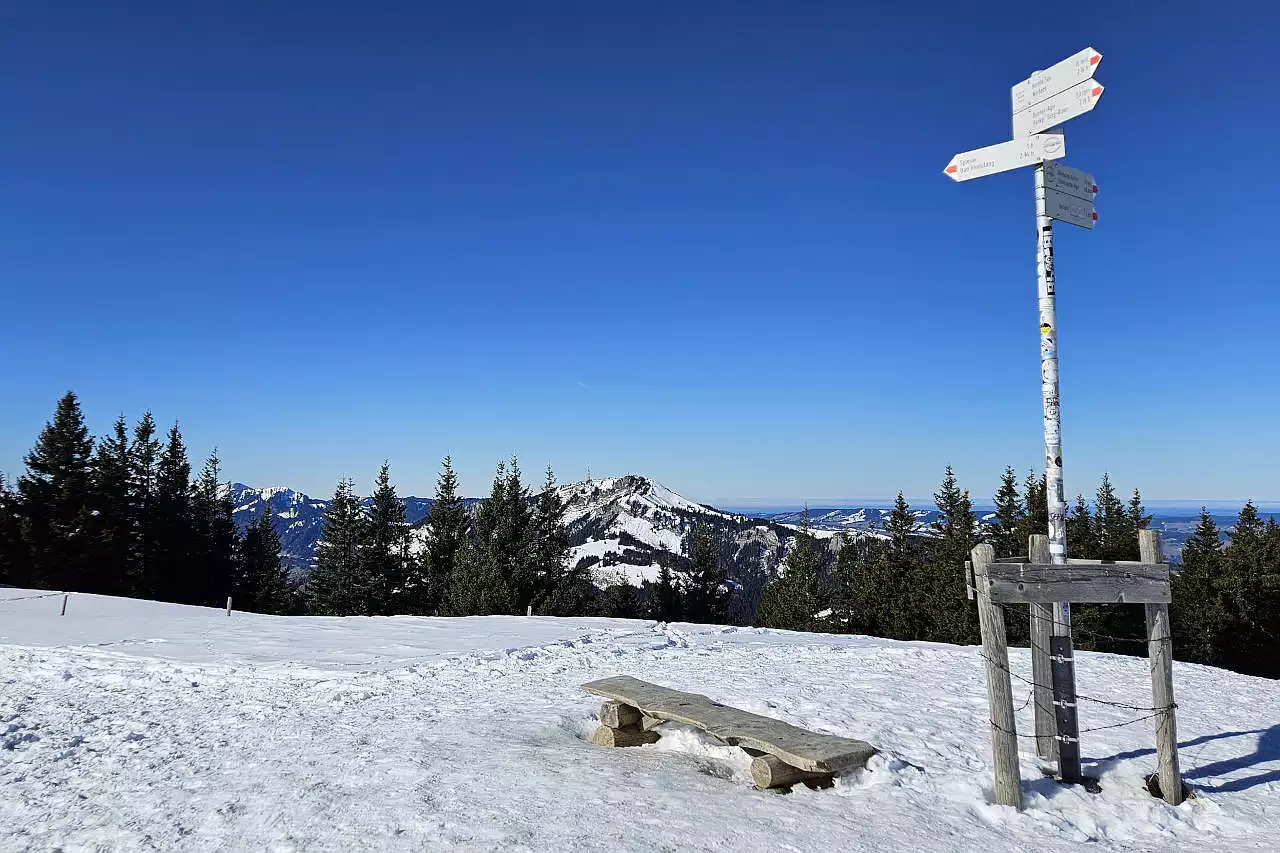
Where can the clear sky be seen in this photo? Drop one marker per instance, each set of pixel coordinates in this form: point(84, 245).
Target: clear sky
point(706, 241)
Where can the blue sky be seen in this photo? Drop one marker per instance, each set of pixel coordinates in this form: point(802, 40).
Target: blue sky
point(706, 241)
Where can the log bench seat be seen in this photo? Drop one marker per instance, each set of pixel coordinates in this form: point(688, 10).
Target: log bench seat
point(782, 754)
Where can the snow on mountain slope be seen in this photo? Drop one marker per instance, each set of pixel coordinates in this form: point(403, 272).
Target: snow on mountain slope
point(627, 527)
point(130, 726)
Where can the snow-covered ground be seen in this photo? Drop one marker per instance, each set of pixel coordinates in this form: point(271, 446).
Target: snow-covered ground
point(129, 725)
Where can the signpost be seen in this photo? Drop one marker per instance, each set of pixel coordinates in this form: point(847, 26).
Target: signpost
point(1004, 156)
point(1043, 101)
point(1063, 106)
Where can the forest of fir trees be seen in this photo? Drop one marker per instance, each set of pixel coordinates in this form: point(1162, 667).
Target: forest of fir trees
point(124, 515)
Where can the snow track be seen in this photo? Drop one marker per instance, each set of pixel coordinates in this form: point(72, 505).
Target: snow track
point(137, 726)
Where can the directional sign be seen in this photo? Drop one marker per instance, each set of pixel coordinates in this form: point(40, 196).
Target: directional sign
point(1069, 209)
point(1057, 78)
point(1005, 156)
point(1076, 101)
point(1070, 181)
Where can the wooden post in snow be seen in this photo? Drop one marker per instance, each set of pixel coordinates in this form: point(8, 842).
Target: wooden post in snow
point(1160, 650)
point(228, 605)
point(1041, 671)
point(995, 649)
point(65, 596)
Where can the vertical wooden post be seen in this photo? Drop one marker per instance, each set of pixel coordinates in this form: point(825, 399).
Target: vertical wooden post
point(995, 649)
point(1160, 650)
point(65, 596)
point(1041, 671)
point(228, 605)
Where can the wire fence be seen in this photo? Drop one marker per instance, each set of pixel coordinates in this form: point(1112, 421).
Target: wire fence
point(30, 597)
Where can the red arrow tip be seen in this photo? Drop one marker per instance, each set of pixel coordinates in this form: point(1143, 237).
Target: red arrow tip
point(1095, 216)
point(1095, 59)
point(1097, 90)
point(1095, 188)
point(950, 170)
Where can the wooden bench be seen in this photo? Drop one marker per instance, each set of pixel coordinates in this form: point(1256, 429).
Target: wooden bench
point(782, 754)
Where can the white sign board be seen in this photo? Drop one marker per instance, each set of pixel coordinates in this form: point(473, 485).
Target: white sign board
point(1005, 156)
point(1070, 181)
point(1057, 78)
point(1063, 106)
point(1069, 209)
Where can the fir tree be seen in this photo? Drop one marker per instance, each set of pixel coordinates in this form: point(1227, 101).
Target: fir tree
point(172, 524)
point(793, 600)
point(945, 607)
point(114, 523)
point(337, 586)
point(665, 604)
point(215, 566)
point(1138, 517)
point(1003, 532)
point(1082, 542)
point(1113, 528)
point(1036, 519)
point(54, 500)
point(479, 585)
point(563, 590)
point(267, 583)
point(385, 551)
point(1250, 589)
point(900, 525)
point(1196, 616)
point(144, 454)
point(448, 529)
point(703, 579)
point(512, 545)
point(13, 550)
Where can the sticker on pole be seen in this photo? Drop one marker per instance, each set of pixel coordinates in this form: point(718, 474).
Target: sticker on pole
point(1069, 209)
point(1070, 181)
point(1073, 70)
point(1006, 156)
point(1063, 106)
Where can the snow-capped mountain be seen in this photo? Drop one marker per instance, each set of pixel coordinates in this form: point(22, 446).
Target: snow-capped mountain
point(625, 528)
point(863, 519)
point(297, 517)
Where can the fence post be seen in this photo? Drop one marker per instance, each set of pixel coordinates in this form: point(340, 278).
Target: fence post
point(228, 605)
point(65, 596)
point(995, 650)
point(1160, 650)
point(1041, 671)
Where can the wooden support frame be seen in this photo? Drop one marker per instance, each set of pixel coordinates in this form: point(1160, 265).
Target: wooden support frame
point(1038, 583)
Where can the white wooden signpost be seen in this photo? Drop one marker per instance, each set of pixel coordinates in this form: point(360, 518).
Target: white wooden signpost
point(1039, 104)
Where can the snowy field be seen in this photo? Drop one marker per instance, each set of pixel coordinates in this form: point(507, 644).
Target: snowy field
point(129, 725)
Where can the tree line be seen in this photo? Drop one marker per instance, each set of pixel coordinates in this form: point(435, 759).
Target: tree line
point(1226, 598)
point(124, 515)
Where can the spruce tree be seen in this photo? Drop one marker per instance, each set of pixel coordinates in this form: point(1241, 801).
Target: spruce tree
point(337, 586)
point(267, 583)
point(385, 551)
point(54, 500)
point(1003, 531)
point(1250, 585)
point(512, 545)
point(1113, 527)
point(216, 570)
point(945, 607)
point(114, 523)
point(1196, 616)
point(793, 600)
point(563, 589)
point(479, 585)
point(1082, 542)
point(665, 603)
point(1138, 517)
point(1036, 520)
point(173, 525)
point(14, 565)
point(144, 455)
point(703, 578)
point(448, 529)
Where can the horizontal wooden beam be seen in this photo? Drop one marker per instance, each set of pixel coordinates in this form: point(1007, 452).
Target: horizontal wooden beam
point(1080, 583)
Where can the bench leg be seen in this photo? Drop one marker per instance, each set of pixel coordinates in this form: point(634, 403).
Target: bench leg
point(631, 736)
point(769, 771)
point(616, 715)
